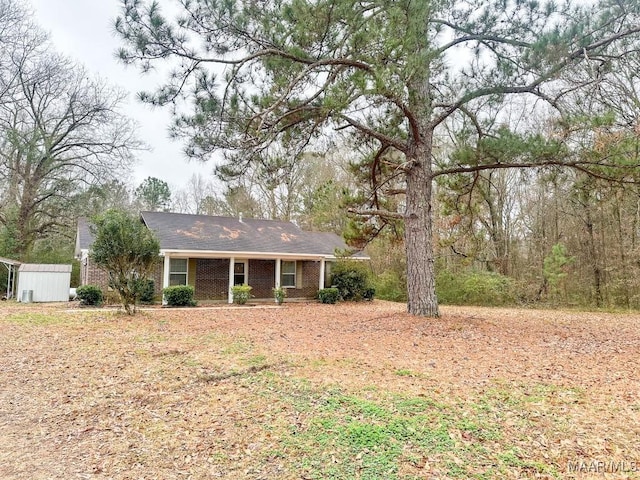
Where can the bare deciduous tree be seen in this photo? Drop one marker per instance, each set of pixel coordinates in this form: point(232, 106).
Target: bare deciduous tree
point(60, 130)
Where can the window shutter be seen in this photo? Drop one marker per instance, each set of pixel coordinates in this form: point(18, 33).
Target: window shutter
point(299, 274)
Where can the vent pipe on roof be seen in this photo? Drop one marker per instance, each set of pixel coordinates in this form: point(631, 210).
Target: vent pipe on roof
point(240, 216)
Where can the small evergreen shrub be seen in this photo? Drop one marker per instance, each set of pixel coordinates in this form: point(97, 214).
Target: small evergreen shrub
point(279, 294)
point(368, 293)
point(147, 291)
point(474, 288)
point(351, 278)
point(329, 295)
point(89, 295)
point(390, 286)
point(127, 250)
point(241, 293)
point(179, 296)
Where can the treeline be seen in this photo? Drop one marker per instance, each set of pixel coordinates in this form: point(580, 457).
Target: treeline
point(62, 135)
point(506, 236)
point(533, 192)
point(557, 238)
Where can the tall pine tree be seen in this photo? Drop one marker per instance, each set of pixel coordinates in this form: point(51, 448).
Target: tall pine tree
point(391, 73)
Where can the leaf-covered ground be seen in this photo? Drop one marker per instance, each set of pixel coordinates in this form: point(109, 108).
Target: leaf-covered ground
point(311, 391)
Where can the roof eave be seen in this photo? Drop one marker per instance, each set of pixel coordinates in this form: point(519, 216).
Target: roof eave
point(248, 255)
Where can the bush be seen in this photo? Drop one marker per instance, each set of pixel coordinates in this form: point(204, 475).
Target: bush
point(474, 288)
point(368, 293)
point(179, 296)
point(125, 248)
point(241, 293)
point(391, 286)
point(351, 278)
point(89, 295)
point(279, 294)
point(147, 291)
point(329, 295)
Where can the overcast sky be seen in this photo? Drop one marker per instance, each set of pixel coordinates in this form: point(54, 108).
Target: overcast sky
point(83, 30)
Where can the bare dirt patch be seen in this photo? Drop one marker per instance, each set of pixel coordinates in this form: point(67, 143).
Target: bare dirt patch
point(318, 391)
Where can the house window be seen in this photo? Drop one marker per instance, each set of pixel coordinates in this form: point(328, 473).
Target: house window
point(239, 270)
point(288, 274)
point(178, 271)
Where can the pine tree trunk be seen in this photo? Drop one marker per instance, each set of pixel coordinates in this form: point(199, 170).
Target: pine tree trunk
point(595, 264)
point(421, 291)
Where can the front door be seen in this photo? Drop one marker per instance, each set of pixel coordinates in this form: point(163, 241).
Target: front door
point(239, 272)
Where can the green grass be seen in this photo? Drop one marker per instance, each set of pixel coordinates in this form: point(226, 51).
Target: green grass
point(237, 346)
point(403, 372)
point(344, 435)
point(32, 318)
point(316, 430)
point(334, 433)
point(59, 317)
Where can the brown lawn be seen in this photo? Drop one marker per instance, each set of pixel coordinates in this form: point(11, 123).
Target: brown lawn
point(310, 391)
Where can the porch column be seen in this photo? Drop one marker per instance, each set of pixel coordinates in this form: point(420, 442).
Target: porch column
point(232, 265)
point(278, 270)
point(322, 269)
point(165, 275)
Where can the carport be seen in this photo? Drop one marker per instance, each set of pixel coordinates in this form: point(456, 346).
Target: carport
point(12, 267)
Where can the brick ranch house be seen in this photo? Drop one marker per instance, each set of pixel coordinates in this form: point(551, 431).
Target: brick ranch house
point(213, 253)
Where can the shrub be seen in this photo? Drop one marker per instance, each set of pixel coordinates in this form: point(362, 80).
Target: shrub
point(179, 296)
point(89, 295)
point(368, 293)
point(279, 295)
point(351, 278)
point(474, 288)
point(147, 291)
point(329, 295)
point(125, 248)
point(390, 286)
point(241, 293)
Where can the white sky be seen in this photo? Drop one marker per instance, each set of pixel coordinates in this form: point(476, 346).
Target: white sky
point(83, 30)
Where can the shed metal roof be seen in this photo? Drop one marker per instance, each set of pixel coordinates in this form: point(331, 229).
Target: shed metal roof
point(44, 267)
point(8, 261)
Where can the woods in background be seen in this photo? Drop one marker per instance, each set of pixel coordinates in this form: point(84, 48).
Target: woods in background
point(511, 176)
point(61, 134)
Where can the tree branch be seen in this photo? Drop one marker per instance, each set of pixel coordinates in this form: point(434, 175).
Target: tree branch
point(376, 213)
point(385, 139)
point(577, 164)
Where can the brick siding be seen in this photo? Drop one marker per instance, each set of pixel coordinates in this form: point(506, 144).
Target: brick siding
point(310, 281)
point(212, 279)
point(158, 279)
point(92, 275)
point(262, 277)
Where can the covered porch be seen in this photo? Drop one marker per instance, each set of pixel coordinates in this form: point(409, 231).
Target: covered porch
point(212, 276)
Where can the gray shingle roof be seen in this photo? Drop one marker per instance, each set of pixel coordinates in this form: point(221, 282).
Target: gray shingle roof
point(178, 231)
point(84, 239)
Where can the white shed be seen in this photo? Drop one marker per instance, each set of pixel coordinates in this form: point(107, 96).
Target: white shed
point(39, 282)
